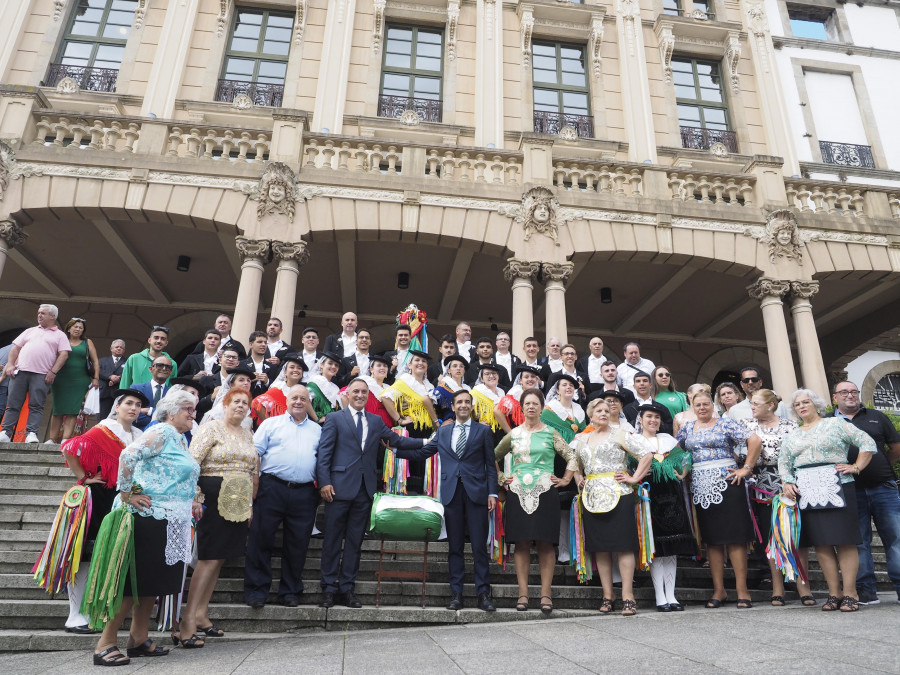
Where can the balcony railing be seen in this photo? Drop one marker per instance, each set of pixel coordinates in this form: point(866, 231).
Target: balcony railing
point(847, 154)
point(90, 79)
point(696, 138)
point(260, 93)
point(546, 122)
point(428, 110)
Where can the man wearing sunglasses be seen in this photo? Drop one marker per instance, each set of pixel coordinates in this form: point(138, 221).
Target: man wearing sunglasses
point(154, 389)
point(137, 367)
point(752, 382)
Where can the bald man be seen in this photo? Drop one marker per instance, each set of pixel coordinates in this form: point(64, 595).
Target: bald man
point(344, 343)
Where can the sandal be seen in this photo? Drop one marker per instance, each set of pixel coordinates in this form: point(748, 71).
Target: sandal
point(522, 606)
point(629, 608)
point(849, 604)
point(831, 604)
point(714, 603)
point(744, 603)
point(193, 642)
point(807, 601)
point(777, 600)
point(111, 656)
point(147, 649)
point(546, 607)
point(212, 631)
point(606, 605)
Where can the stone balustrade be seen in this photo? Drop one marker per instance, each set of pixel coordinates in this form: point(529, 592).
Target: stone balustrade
point(619, 180)
point(838, 198)
point(709, 188)
point(352, 154)
point(474, 166)
point(249, 145)
point(85, 133)
point(894, 202)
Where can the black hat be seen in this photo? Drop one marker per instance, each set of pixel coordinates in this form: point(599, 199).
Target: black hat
point(567, 378)
point(455, 357)
point(294, 357)
point(420, 354)
point(653, 406)
point(379, 358)
point(534, 370)
point(333, 357)
point(189, 382)
point(490, 366)
point(137, 394)
point(603, 393)
point(241, 370)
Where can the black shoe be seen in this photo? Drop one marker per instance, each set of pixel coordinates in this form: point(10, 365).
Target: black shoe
point(456, 601)
point(676, 606)
point(352, 601)
point(289, 601)
point(81, 630)
point(664, 608)
point(485, 604)
point(257, 603)
point(327, 600)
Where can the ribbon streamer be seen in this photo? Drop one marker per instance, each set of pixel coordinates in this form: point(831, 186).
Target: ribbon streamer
point(496, 542)
point(645, 527)
point(61, 556)
point(578, 557)
point(784, 540)
point(396, 470)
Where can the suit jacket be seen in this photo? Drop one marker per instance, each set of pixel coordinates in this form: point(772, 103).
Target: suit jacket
point(191, 365)
point(476, 468)
point(631, 413)
point(348, 363)
point(106, 370)
point(286, 349)
point(258, 388)
point(516, 362)
point(581, 365)
point(435, 370)
point(209, 383)
point(146, 389)
point(334, 344)
point(340, 462)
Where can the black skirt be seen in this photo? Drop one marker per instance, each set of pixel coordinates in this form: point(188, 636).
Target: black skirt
point(542, 525)
point(831, 527)
point(217, 538)
point(728, 522)
point(102, 499)
point(154, 576)
point(613, 531)
point(672, 533)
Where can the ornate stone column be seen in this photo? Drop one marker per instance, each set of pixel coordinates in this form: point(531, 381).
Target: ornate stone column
point(254, 254)
point(291, 256)
point(521, 274)
point(781, 364)
point(635, 82)
point(168, 61)
point(812, 367)
point(489, 73)
point(334, 67)
point(555, 277)
point(11, 235)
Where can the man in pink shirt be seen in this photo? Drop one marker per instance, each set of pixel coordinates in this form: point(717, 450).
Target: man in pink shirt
point(36, 357)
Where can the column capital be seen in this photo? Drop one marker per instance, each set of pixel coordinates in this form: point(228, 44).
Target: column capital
point(12, 233)
point(296, 251)
point(252, 249)
point(517, 268)
point(767, 287)
point(804, 289)
point(558, 271)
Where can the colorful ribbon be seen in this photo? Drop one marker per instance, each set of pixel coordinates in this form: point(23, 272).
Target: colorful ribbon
point(61, 556)
point(433, 476)
point(396, 470)
point(580, 559)
point(497, 536)
point(785, 539)
point(644, 526)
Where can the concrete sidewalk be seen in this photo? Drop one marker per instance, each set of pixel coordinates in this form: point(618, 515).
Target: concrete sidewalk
point(791, 639)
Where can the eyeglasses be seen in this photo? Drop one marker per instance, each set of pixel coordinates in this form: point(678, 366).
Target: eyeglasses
point(78, 318)
point(847, 392)
point(748, 380)
point(189, 411)
point(160, 328)
point(162, 366)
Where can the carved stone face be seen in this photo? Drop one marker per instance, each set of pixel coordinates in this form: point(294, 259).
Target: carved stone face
point(276, 193)
point(784, 236)
point(541, 214)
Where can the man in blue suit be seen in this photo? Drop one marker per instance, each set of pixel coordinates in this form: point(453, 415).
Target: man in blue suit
point(347, 474)
point(155, 389)
point(468, 492)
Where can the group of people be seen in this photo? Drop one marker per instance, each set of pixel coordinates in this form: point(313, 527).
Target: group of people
point(556, 444)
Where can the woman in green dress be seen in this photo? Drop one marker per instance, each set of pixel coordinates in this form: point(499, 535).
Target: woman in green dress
point(72, 382)
point(664, 391)
point(532, 511)
point(562, 413)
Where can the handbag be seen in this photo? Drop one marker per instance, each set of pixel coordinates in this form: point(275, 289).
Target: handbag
point(88, 364)
point(92, 401)
point(820, 487)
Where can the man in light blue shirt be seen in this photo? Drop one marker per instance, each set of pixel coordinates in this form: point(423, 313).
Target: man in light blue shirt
point(287, 496)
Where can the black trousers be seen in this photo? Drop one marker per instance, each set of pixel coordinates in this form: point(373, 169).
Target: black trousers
point(345, 525)
point(460, 513)
point(294, 508)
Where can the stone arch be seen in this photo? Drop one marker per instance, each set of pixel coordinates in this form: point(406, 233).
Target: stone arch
point(184, 328)
point(867, 389)
point(733, 358)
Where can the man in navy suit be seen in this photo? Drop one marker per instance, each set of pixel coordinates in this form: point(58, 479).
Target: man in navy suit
point(468, 492)
point(110, 374)
point(155, 389)
point(347, 474)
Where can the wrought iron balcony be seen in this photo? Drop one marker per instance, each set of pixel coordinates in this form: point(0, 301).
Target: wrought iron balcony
point(696, 138)
point(847, 154)
point(260, 93)
point(427, 110)
point(91, 79)
point(546, 122)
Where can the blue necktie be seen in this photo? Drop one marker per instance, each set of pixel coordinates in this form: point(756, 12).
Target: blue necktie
point(359, 428)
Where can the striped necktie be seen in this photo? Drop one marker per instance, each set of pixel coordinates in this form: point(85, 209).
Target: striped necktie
point(461, 441)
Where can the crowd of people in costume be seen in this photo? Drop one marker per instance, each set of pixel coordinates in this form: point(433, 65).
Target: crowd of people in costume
point(606, 466)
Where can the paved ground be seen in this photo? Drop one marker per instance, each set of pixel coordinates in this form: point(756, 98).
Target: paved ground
point(791, 639)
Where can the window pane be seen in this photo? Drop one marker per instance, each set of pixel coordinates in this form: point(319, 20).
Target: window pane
point(573, 79)
point(714, 116)
point(680, 66)
point(272, 71)
point(428, 64)
point(425, 49)
point(546, 100)
point(399, 33)
point(397, 60)
point(276, 48)
point(544, 62)
point(685, 92)
point(275, 34)
point(427, 87)
point(711, 94)
point(279, 21)
point(574, 102)
point(109, 56)
point(397, 82)
point(814, 30)
point(238, 69)
point(548, 76)
point(689, 116)
point(429, 37)
point(85, 28)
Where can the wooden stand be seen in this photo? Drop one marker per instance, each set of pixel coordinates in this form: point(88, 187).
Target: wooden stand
point(399, 574)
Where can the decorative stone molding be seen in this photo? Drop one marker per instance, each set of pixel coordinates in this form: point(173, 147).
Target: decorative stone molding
point(732, 60)
point(59, 7)
point(67, 86)
point(139, 12)
point(527, 28)
point(767, 287)
point(630, 12)
point(595, 44)
point(489, 18)
point(718, 150)
point(242, 102)
point(295, 251)
point(452, 24)
point(560, 272)
point(782, 235)
point(517, 268)
point(537, 213)
point(7, 166)
point(378, 26)
point(300, 22)
point(253, 249)
point(410, 118)
point(804, 289)
point(341, 9)
point(222, 18)
point(665, 37)
point(12, 233)
point(759, 27)
point(568, 133)
point(277, 191)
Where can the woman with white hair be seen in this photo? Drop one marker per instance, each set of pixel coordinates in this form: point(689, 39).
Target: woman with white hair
point(814, 470)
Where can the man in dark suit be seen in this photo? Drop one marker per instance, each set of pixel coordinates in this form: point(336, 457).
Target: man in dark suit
point(264, 372)
point(609, 374)
point(200, 364)
point(484, 353)
point(468, 492)
point(276, 348)
point(447, 348)
point(400, 356)
point(344, 343)
point(223, 325)
point(347, 474)
point(643, 395)
point(110, 375)
point(155, 389)
point(504, 357)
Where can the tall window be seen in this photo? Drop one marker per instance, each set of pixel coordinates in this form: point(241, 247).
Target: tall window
point(561, 94)
point(411, 74)
point(815, 23)
point(257, 56)
point(94, 43)
point(702, 108)
point(672, 7)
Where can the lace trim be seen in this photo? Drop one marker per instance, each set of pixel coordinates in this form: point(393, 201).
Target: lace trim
point(529, 495)
point(707, 486)
point(178, 539)
point(819, 487)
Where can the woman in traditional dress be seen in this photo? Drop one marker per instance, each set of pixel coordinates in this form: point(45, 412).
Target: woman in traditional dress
point(669, 507)
point(93, 458)
point(238, 378)
point(324, 393)
point(229, 475)
point(73, 381)
point(664, 391)
point(532, 515)
point(814, 469)
point(561, 412)
point(607, 500)
point(274, 402)
point(688, 414)
point(448, 384)
point(486, 395)
point(723, 510)
point(728, 395)
point(157, 483)
point(508, 410)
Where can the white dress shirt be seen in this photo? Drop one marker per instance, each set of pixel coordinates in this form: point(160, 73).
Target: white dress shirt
point(456, 431)
point(463, 349)
point(555, 364)
point(362, 360)
point(349, 342)
point(274, 347)
point(209, 360)
point(594, 365)
point(627, 372)
point(505, 360)
point(310, 359)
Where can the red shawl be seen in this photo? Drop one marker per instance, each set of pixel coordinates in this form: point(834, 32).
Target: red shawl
point(98, 450)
